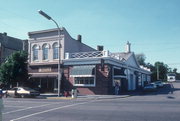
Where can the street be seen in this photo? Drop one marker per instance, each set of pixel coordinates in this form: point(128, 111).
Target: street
point(163, 105)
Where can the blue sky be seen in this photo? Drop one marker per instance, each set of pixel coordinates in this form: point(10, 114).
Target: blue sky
point(151, 26)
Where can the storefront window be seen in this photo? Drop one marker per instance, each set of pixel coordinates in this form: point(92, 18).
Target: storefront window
point(84, 81)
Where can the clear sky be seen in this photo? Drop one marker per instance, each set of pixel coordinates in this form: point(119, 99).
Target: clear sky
point(151, 26)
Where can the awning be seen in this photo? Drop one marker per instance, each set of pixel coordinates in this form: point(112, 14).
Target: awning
point(120, 77)
point(83, 70)
point(43, 75)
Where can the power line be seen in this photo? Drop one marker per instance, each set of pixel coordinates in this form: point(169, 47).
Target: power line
point(173, 63)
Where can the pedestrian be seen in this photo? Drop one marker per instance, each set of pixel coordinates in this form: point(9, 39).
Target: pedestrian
point(172, 88)
point(116, 88)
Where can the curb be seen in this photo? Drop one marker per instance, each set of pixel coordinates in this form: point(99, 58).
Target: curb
point(60, 98)
point(84, 97)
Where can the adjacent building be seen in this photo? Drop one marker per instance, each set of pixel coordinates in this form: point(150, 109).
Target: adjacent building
point(8, 45)
point(90, 71)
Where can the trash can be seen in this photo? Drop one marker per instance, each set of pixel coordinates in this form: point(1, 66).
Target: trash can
point(74, 93)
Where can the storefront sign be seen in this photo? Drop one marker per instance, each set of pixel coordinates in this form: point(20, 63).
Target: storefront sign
point(45, 69)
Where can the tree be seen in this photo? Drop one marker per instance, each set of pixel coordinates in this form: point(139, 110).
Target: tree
point(141, 59)
point(15, 68)
point(159, 71)
point(175, 70)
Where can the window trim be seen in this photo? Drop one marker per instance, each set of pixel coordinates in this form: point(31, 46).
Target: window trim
point(84, 85)
point(35, 48)
point(45, 47)
point(54, 46)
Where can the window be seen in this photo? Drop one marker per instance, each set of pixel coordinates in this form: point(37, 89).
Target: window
point(83, 75)
point(84, 81)
point(45, 51)
point(55, 51)
point(35, 52)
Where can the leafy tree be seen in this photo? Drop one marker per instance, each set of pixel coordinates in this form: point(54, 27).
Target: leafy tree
point(15, 68)
point(175, 70)
point(141, 59)
point(160, 69)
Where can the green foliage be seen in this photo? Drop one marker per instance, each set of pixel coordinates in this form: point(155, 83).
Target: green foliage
point(159, 68)
point(15, 68)
point(141, 59)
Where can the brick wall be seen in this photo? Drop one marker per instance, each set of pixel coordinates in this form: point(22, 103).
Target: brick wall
point(103, 82)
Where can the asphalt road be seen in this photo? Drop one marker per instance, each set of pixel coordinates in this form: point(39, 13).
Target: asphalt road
point(163, 105)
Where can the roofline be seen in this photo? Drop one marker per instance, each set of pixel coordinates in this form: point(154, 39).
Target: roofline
point(2, 34)
point(46, 30)
point(108, 60)
point(136, 59)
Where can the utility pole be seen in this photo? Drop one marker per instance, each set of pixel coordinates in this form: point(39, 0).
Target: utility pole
point(157, 71)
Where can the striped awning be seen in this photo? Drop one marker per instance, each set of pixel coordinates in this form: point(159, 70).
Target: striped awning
point(83, 70)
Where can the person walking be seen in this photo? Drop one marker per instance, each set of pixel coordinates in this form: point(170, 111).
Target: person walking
point(116, 88)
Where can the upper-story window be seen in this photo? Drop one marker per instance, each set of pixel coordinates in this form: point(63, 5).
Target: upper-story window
point(45, 49)
point(35, 52)
point(55, 51)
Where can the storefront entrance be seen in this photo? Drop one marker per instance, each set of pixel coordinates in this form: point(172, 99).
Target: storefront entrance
point(45, 85)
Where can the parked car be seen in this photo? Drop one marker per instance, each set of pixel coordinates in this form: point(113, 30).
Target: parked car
point(159, 83)
point(150, 87)
point(22, 92)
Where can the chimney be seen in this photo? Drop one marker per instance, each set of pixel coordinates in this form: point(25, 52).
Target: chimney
point(100, 48)
point(128, 47)
point(79, 38)
point(5, 34)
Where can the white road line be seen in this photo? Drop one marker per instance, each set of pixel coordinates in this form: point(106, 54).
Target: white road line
point(29, 108)
point(66, 106)
point(15, 106)
point(27, 102)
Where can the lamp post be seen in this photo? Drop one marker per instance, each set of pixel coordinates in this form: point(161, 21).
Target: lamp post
point(59, 62)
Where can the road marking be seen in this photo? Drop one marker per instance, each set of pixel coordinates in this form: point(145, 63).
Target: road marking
point(27, 102)
point(29, 108)
point(15, 106)
point(66, 106)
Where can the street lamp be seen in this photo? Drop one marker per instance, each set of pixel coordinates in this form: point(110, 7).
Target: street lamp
point(59, 62)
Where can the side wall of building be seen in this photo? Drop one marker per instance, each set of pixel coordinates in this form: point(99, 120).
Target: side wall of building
point(71, 45)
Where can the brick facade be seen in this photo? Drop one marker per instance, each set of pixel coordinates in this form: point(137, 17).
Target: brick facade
point(103, 81)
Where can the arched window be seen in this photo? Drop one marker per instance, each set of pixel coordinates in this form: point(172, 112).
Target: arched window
point(55, 51)
point(35, 52)
point(45, 48)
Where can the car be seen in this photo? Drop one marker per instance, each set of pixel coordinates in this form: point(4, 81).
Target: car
point(22, 92)
point(159, 83)
point(150, 87)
